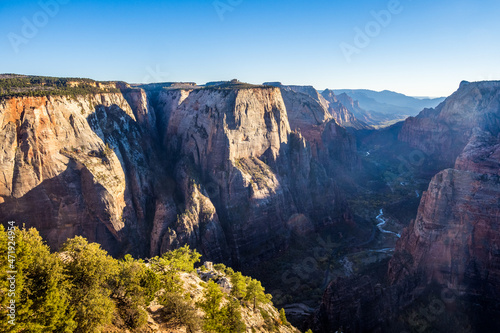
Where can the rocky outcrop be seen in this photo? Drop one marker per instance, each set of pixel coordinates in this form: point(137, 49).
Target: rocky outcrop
point(342, 113)
point(453, 245)
point(308, 109)
point(218, 137)
point(481, 154)
point(442, 133)
point(455, 240)
point(370, 118)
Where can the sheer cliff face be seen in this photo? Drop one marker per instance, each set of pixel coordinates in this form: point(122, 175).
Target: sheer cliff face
point(342, 109)
point(57, 174)
point(216, 126)
point(144, 171)
point(307, 109)
point(239, 146)
point(455, 239)
point(218, 137)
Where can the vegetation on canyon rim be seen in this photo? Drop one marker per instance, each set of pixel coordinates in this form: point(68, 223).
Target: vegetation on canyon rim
point(83, 289)
point(35, 86)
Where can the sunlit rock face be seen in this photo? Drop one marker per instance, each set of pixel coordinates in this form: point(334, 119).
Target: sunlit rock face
point(149, 169)
point(58, 175)
point(257, 171)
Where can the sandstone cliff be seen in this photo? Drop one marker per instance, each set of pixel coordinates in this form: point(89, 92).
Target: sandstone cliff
point(454, 240)
point(309, 108)
point(342, 108)
point(371, 118)
point(443, 132)
point(224, 168)
point(76, 166)
point(238, 145)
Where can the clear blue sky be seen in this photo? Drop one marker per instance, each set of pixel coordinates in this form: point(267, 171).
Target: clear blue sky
point(425, 49)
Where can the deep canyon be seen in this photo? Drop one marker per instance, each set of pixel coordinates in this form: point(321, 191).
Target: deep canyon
point(346, 225)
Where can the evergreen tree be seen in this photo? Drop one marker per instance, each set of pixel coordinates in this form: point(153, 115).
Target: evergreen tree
point(91, 271)
point(133, 288)
point(211, 306)
point(41, 292)
point(239, 285)
point(283, 317)
point(173, 262)
point(232, 322)
point(255, 293)
point(180, 307)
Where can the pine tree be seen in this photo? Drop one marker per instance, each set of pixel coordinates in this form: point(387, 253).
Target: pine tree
point(173, 262)
point(91, 272)
point(133, 288)
point(255, 293)
point(181, 308)
point(41, 292)
point(239, 285)
point(211, 306)
point(283, 317)
point(232, 322)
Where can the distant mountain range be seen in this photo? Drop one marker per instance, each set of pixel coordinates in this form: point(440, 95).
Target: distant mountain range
point(389, 102)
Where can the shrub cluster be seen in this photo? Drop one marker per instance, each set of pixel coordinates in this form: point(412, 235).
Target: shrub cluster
point(83, 289)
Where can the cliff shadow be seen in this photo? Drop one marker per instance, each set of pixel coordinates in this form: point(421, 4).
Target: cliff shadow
point(133, 147)
point(63, 207)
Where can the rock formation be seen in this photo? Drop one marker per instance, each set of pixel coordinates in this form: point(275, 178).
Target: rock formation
point(343, 113)
point(442, 133)
point(76, 166)
point(226, 168)
point(454, 241)
point(310, 108)
point(238, 144)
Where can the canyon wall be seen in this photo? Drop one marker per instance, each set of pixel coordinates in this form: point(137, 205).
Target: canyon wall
point(77, 166)
point(455, 238)
point(261, 159)
point(147, 169)
point(454, 242)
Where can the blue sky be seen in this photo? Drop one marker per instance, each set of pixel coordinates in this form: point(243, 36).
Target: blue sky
point(425, 48)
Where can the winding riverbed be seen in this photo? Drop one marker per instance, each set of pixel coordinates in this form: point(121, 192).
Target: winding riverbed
point(382, 222)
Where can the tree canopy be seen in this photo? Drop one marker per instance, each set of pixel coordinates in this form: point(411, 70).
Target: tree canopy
point(82, 288)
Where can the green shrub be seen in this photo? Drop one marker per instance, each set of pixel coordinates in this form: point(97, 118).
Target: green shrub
point(180, 308)
point(38, 86)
